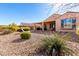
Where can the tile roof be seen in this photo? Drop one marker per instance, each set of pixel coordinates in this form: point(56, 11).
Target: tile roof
point(52, 17)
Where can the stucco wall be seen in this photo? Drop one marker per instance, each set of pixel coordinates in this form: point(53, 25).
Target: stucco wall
point(59, 18)
point(64, 16)
point(47, 25)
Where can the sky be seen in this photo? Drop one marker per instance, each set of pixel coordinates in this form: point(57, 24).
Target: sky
point(17, 13)
point(31, 12)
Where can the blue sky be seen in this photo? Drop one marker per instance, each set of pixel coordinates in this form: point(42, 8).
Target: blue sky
point(32, 12)
point(28, 12)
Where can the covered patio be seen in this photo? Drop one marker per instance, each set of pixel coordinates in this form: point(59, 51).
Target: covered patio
point(46, 25)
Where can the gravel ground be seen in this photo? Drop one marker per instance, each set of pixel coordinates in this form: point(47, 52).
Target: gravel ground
point(12, 45)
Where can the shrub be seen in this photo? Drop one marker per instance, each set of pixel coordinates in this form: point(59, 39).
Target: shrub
point(13, 28)
point(55, 45)
point(77, 31)
point(25, 35)
point(1, 29)
point(26, 29)
point(19, 30)
point(7, 31)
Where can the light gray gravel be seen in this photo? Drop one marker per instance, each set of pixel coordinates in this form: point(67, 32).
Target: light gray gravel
point(12, 45)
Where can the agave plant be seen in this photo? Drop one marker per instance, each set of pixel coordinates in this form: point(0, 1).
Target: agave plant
point(56, 45)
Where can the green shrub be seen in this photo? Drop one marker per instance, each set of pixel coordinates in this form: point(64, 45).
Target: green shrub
point(19, 30)
point(7, 31)
point(25, 35)
point(1, 29)
point(55, 45)
point(13, 28)
point(26, 29)
point(77, 31)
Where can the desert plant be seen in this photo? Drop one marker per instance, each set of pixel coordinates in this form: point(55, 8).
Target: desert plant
point(77, 31)
point(26, 29)
point(56, 45)
point(19, 30)
point(25, 35)
point(1, 28)
point(7, 31)
point(13, 27)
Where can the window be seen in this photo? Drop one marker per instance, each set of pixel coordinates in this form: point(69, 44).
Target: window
point(68, 23)
point(74, 21)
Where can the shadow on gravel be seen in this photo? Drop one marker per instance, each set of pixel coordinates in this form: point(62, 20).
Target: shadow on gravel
point(18, 40)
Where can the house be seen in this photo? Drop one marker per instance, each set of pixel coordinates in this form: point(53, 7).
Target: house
point(65, 22)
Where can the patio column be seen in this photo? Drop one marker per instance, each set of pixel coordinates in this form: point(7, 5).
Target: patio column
point(42, 26)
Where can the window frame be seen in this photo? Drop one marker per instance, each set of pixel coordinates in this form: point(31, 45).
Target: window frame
point(64, 21)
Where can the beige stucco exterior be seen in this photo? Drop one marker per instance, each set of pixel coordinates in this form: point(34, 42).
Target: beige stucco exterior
point(57, 18)
point(64, 16)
